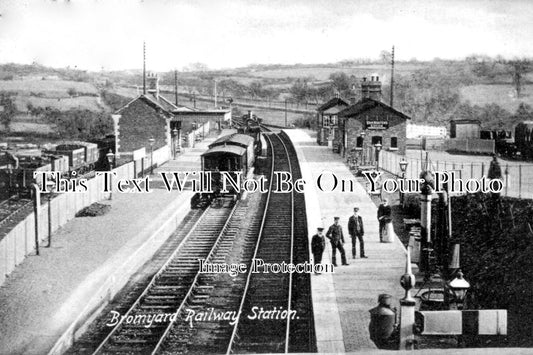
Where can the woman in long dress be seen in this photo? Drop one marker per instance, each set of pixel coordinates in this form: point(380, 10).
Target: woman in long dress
point(388, 231)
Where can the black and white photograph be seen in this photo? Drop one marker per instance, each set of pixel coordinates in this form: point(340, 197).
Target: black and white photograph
point(252, 176)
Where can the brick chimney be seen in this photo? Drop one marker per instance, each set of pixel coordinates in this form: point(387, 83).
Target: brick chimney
point(371, 89)
point(152, 80)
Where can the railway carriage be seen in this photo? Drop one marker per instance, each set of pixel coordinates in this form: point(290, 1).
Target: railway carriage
point(234, 153)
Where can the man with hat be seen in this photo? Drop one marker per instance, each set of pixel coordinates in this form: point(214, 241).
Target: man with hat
point(318, 244)
point(336, 238)
point(356, 230)
point(384, 216)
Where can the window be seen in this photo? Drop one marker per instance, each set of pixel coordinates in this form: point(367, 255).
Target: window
point(394, 142)
point(326, 120)
point(333, 121)
point(376, 140)
point(359, 142)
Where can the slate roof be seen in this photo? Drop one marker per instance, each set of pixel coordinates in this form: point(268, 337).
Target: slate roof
point(367, 104)
point(333, 102)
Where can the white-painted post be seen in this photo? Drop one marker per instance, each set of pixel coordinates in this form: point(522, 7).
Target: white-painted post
point(36, 213)
point(407, 307)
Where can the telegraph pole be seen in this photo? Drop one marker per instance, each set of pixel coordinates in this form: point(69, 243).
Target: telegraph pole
point(144, 68)
point(176, 87)
point(392, 79)
point(215, 93)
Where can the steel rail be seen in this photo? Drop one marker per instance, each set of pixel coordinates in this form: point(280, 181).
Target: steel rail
point(267, 206)
point(149, 286)
point(193, 284)
point(287, 335)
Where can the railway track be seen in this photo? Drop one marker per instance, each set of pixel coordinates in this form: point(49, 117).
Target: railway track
point(134, 333)
point(273, 291)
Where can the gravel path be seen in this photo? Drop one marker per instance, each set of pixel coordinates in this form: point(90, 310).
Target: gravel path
point(38, 299)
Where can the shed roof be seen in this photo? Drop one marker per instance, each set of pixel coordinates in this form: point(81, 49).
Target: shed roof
point(228, 149)
point(466, 121)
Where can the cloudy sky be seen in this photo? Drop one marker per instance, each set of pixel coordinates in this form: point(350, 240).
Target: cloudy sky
point(222, 33)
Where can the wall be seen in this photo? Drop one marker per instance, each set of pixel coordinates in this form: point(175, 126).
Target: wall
point(470, 145)
point(138, 123)
point(20, 241)
point(354, 127)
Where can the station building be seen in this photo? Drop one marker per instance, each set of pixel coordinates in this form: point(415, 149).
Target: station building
point(152, 116)
point(370, 121)
point(328, 120)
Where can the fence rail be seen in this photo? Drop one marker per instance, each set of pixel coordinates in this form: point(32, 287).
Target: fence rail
point(517, 177)
point(20, 241)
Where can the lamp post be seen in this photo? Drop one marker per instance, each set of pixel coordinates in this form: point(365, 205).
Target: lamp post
point(377, 146)
point(110, 157)
point(174, 137)
point(403, 167)
point(151, 141)
point(457, 290)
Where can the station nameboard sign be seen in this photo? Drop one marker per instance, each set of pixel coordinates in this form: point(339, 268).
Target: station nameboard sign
point(370, 124)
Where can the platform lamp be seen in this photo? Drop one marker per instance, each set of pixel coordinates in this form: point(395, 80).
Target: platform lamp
point(458, 288)
point(151, 141)
point(110, 156)
point(174, 137)
point(378, 149)
point(403, 167)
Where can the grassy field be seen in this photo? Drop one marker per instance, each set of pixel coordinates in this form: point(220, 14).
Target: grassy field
point(323, 73)
point(52, 93)
point(92, 103)
point(49, 88)
point(503, 95)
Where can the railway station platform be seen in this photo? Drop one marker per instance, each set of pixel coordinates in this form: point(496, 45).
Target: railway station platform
point(48, 297)
point(342, 300)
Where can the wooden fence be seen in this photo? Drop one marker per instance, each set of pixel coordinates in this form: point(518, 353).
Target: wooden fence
point(20, 241)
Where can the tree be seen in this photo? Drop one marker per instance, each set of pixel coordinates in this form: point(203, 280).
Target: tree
point(385, 57)
point(300, 90)
point(72, 92)
point(196, 67)
point(341, 83)
point(255, 89)
point(7, 109)
point(517, 68)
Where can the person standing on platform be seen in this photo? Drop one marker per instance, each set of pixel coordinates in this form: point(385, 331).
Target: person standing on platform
point(495, 172)
point(357, 231)
point(318, 244)
point(336, 238)
point(384, 214)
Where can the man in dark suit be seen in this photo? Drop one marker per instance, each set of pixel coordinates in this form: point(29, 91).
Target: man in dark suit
point(336, 238)
point(384, 215)
point(357, 231)
point(318, 244)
